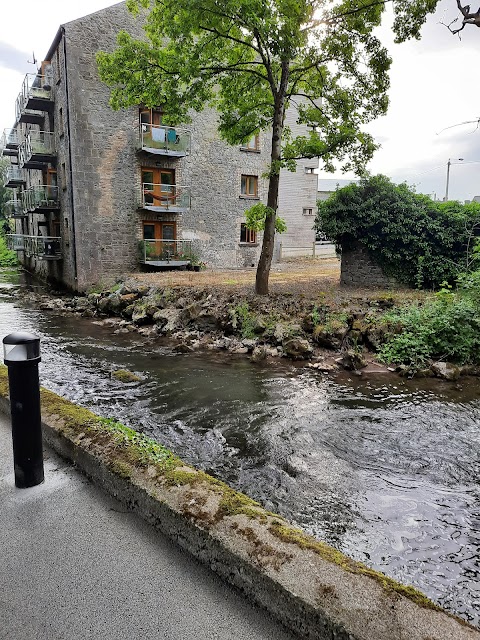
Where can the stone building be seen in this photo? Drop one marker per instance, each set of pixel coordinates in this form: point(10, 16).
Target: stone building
point(98, 193)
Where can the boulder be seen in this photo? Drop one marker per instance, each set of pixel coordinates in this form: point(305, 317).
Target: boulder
point(168, 320)
point(352, 360)
point(445, 370)
point(259, 353)
point(297, 348)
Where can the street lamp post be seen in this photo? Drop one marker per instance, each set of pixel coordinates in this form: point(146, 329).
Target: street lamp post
point(448, 175)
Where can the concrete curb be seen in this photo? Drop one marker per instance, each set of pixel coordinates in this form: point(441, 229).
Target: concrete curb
point(313, 590)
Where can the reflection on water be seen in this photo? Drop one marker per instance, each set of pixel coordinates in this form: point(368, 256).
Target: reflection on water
point(384, 469)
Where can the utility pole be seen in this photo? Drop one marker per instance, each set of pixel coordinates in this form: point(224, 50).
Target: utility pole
point(448, 176)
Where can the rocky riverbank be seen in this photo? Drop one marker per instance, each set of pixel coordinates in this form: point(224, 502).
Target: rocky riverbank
point(329, 334)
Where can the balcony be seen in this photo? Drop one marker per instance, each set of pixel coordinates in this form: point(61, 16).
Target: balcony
point(37, 150)
point(35, 98)
point(10, 142)
point(14, 209)
point(169, 198)
point(42, 247)
point(14, 177)
point(40, 199)
point(166, 253)
point(165, 141)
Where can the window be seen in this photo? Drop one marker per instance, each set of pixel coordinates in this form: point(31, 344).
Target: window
point(310, 170)
point(248, 236)
point(308, 211)
point(150, 116)
point(249, 186)
point(252, 144)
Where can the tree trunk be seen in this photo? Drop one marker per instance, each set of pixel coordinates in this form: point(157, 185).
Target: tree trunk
point(266, 255)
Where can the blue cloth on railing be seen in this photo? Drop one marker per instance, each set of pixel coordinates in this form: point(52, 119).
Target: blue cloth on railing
point(172, 136)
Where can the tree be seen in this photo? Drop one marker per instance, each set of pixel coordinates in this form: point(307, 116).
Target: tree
point(418, 241)
point(251, 60)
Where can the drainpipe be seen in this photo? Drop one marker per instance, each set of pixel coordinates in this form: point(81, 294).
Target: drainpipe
point(70, 170)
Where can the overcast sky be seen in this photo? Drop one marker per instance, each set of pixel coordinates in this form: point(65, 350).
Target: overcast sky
point(434, 85)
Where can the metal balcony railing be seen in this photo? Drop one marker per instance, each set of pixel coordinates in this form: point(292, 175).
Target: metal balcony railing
point(9, 142)
point(43, 247)
point(36, 96)
point(14, 209)
point(14, 177)
point(165, 197)
point(40, 198)
point(37, 149)
point(169, 141)
point(166, 252)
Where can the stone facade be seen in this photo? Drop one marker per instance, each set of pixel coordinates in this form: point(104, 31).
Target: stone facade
point(99, 164)
point(359, 270)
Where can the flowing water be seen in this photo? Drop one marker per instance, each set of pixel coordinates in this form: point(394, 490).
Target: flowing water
point(384, 469)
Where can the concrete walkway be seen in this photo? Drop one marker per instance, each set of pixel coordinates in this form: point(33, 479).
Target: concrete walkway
point(75, 565)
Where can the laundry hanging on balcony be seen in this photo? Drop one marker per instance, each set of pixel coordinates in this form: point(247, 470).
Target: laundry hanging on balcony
point(172, 136)
point(158, 135)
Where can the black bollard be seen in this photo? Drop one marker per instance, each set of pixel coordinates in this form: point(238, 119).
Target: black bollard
point(22, 355)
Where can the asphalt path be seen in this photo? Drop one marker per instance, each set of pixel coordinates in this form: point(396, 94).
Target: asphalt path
point(74, 564)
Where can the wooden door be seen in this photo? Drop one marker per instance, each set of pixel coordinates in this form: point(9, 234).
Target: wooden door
point(160, 238)
point(158, 187)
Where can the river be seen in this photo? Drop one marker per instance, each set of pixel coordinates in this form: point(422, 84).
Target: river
point(382, 468)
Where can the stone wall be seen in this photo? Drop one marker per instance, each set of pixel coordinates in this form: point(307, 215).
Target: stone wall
point(359, 270)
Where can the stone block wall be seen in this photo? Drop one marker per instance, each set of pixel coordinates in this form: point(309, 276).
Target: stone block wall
point(358, 269)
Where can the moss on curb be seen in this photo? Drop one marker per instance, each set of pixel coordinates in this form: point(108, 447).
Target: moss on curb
point(124, 450)
point(300, 539)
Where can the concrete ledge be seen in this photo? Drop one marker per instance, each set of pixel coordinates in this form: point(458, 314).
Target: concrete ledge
point(313, 589)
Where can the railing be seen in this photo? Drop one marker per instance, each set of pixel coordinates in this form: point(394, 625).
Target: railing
point(165, 140)
point(168, 251)
point(38, 146)
point(9, 142)
point(15, 242)
point(165, 197)
point(40, 197)
point(36, 92)
point(13, 209)
point(14, 175)
point(45, 247)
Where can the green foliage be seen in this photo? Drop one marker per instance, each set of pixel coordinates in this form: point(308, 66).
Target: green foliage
point(446, 327)
point(240, 56)
point(246, 319)
point(8, 258)
point(256, 216)
point(418, 241)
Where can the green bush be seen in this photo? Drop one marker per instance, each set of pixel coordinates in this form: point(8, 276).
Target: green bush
point(7, 258)
point(444, 328)
point(420, 242)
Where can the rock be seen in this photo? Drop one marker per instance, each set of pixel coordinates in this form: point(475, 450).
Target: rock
point(191, 312)
point(297, 348)
point(168, 320)
point(323, 367)
point(183, 347)
point(239, 350)
point(259, 353)
point(123, 375)
point(352, 360)
point(445, 370)
point(140, 316)
point(249, 344)
point(207, 321)
point(470, 370)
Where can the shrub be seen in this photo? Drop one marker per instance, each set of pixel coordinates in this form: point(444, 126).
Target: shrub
point(446, 327)
point(418, 241)
point(7, 258)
